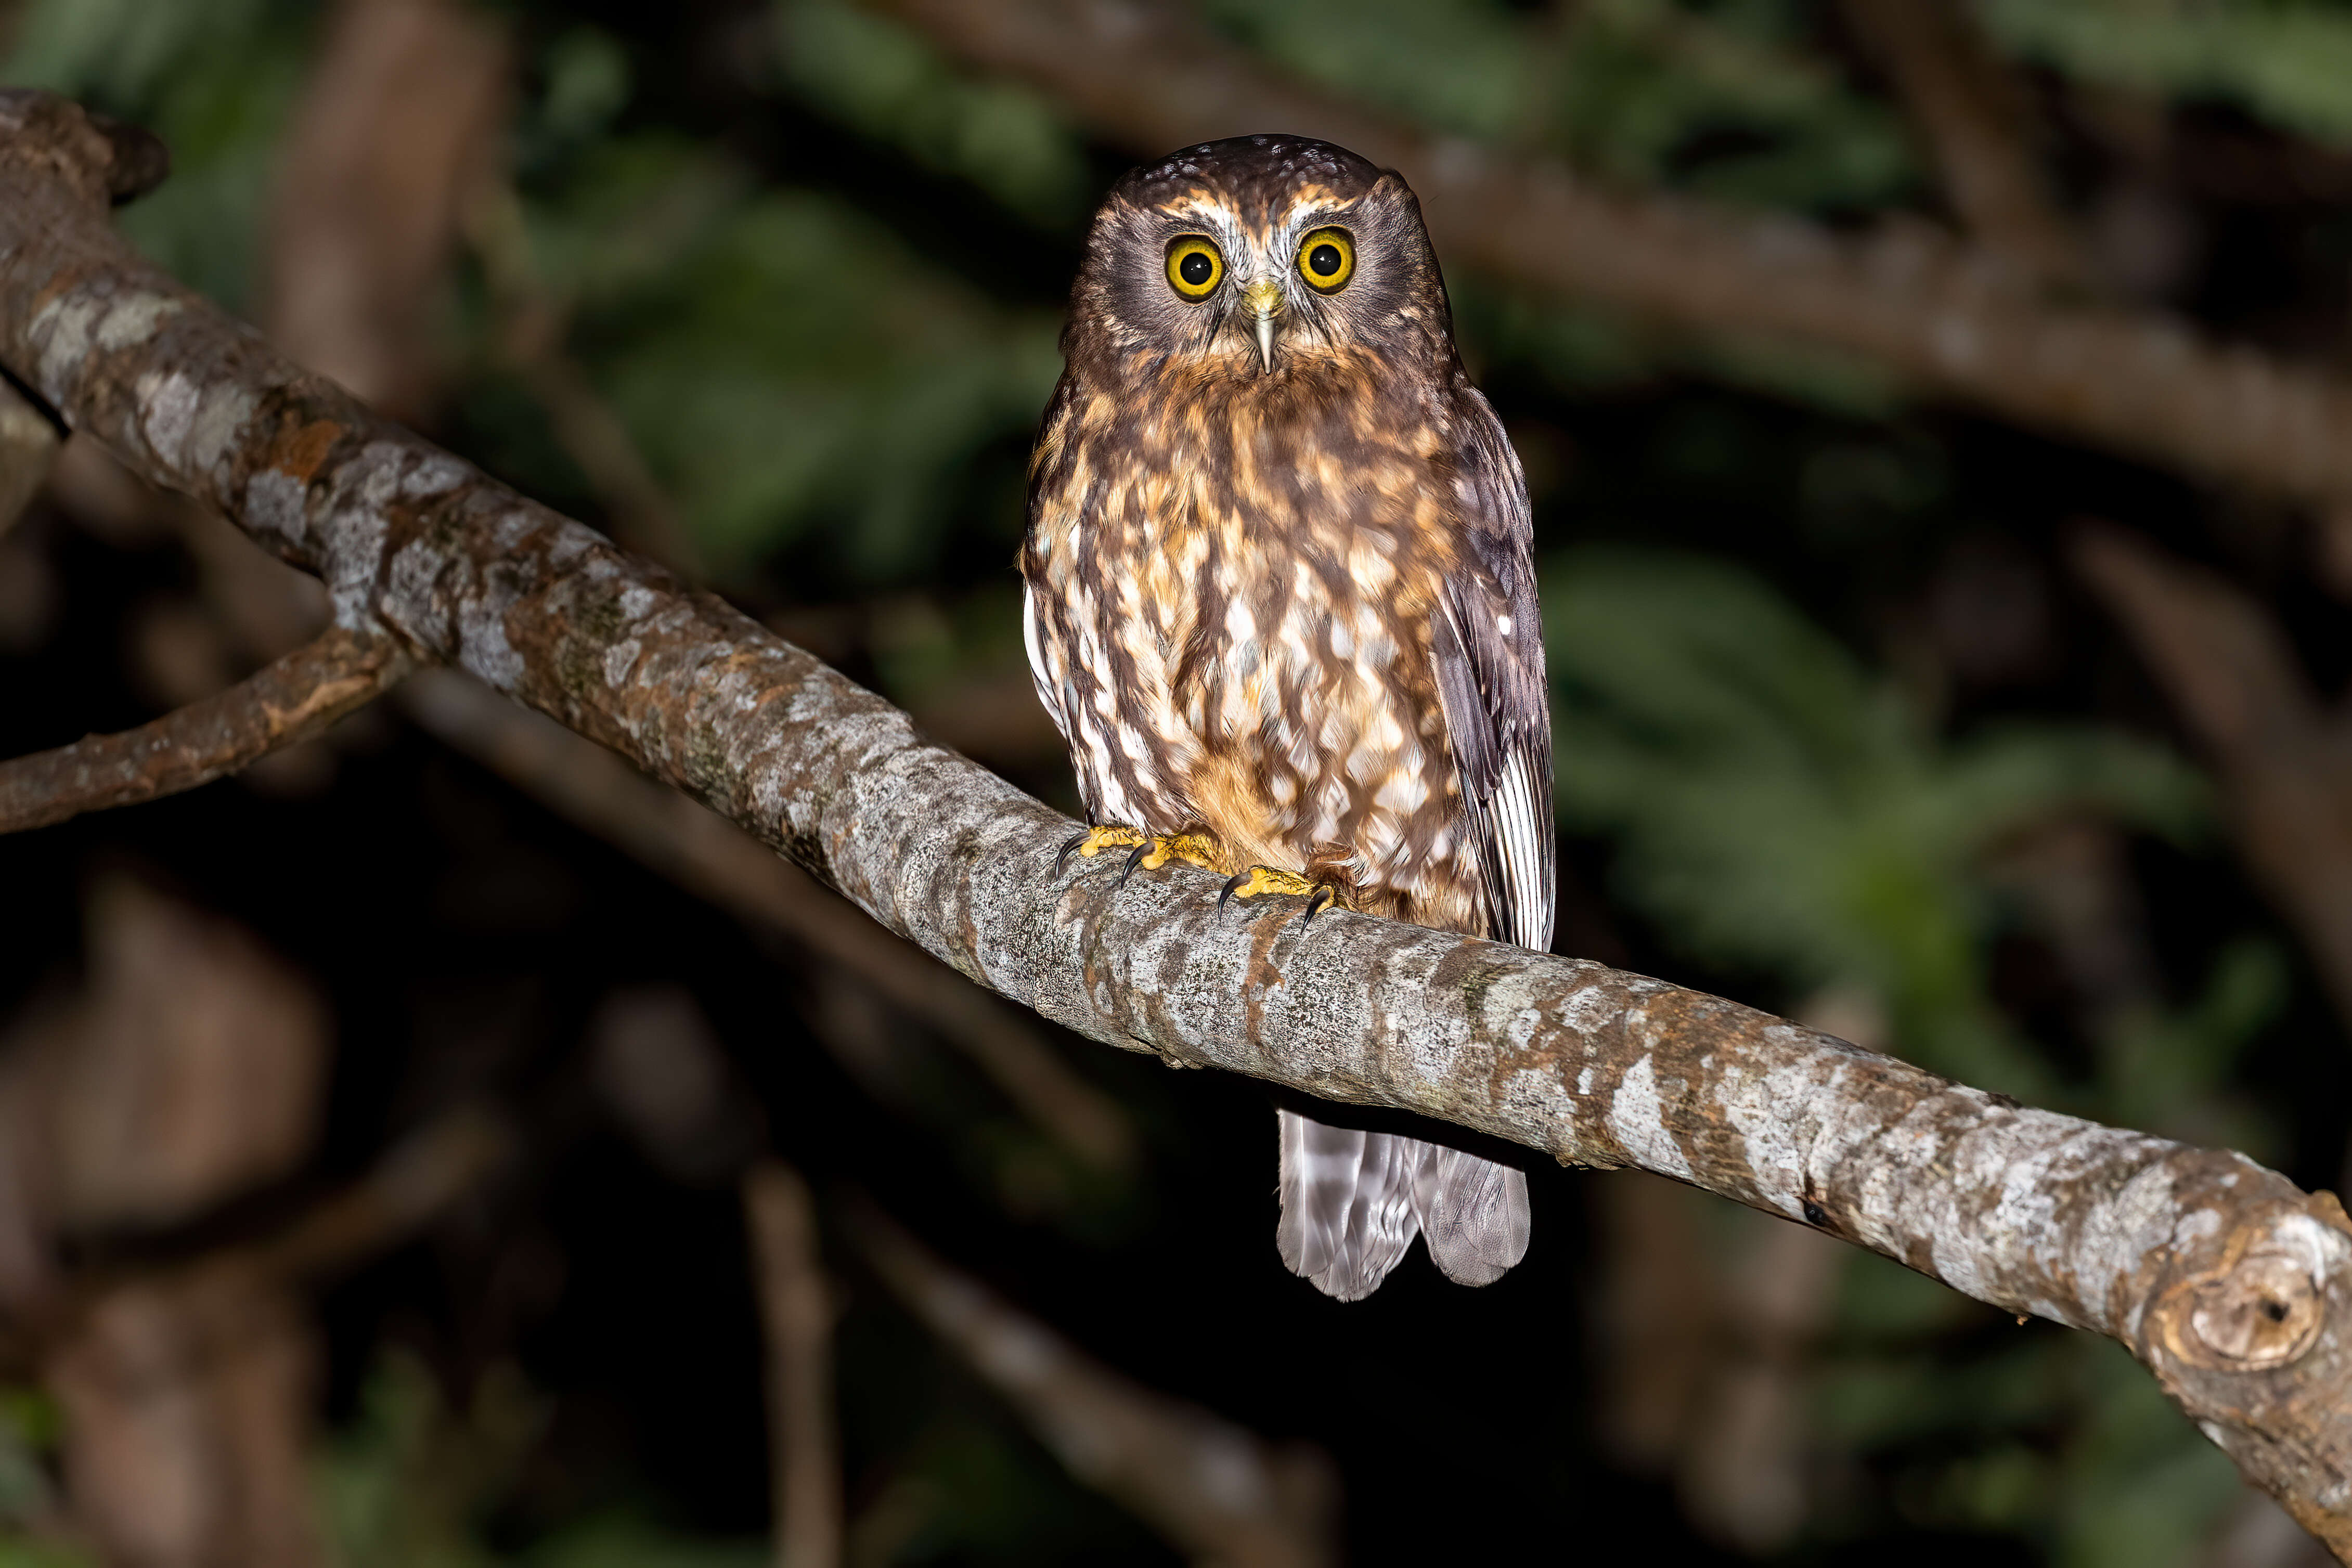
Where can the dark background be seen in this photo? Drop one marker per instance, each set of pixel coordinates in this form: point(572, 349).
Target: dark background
point(770, 291)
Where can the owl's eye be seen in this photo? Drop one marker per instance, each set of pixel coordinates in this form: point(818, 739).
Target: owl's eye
point(1194, 267)
point(1327, 259)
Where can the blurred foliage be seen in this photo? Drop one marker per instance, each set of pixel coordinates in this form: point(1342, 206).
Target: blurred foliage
point(2286, 61)
point(813, 287)
point(29, 1500)
point(215, 81)
point(1726, 101)
point(1777, 810)
point(415, 1484)
point(883, 81)
point(780, 358)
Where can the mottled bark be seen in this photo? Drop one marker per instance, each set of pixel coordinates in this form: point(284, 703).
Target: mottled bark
point(1956, 321)
point(290, 699)
point(2233, 1286)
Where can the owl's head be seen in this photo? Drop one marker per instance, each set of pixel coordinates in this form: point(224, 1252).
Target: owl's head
point(1258, 255)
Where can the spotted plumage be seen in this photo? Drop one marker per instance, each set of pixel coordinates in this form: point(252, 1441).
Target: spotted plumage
point(1279, 599)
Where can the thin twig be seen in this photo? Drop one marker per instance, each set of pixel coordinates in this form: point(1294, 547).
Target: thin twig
point(289, 700)
point(2232, 1285)
point(796, 1313)
point(1216, 1491)
point(530, 336)
point(2284, 761)
point(1976, 118)
point(186, 1388)
point(28, 445)
point(402, 120)
point(421, 1177)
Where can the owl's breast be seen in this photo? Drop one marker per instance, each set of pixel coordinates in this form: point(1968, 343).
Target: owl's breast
point(1242, 592)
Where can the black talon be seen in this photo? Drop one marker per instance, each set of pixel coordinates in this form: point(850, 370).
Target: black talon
point(1063, 858)
point(1132, 861)
point(1322, 898)
point(1232, 882)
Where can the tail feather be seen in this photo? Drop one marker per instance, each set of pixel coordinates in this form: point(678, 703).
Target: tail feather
point(1347, 1205)
point(1353, 1201)
point(1473, 1213)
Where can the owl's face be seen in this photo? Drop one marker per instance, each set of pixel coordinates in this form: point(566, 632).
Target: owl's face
point(1258, 258)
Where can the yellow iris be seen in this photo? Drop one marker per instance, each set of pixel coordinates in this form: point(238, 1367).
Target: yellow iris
point(1194, 267)
point(1327, 258)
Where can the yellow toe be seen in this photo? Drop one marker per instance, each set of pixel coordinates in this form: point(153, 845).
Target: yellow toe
point(1192, 849)
point(1261, 880)
point(1110, 836)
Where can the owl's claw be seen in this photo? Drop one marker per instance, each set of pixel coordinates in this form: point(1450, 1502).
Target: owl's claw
point(1148, 850)
point(1096, 839)
point(1261, 880)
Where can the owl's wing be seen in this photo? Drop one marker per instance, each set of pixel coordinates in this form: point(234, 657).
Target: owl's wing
point(1490, 678)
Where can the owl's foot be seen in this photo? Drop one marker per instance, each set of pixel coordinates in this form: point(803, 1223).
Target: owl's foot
point(1148, 850)
point(1261, 880)
point(1098, 838)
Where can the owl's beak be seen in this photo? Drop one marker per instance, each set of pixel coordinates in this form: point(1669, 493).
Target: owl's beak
point(1264, 296)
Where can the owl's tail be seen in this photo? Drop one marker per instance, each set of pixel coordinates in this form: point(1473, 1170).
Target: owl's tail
point(1353, 1201)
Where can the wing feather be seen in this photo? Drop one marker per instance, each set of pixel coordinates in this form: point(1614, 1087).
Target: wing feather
point(1047, 678)
point(1490, 678)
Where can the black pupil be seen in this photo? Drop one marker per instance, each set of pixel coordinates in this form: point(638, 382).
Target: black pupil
point(1323, 260)
point(1196, 269)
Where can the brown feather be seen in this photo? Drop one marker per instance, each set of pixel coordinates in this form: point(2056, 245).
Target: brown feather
point(1247, 591)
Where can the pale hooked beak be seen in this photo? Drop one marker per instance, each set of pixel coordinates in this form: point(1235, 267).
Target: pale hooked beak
point(1264, 296)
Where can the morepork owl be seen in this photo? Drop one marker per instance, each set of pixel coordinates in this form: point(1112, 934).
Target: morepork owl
point(1280, 604)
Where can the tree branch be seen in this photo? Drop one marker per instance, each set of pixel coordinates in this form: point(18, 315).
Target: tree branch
point(533, 324)
point(411, 1185)
point(1946, 316)
point(796, 1314)
point(1217, 1491)
point(2233, 1286)
point(398, 127)
point(2284, 761)
point(290, 699)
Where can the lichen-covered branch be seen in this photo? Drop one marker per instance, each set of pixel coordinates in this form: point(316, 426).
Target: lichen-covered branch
point(1952, 319)
point(290, 699)
point(2234, 1287)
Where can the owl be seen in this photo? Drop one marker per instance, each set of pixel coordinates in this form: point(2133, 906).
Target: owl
point(1278, 600)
